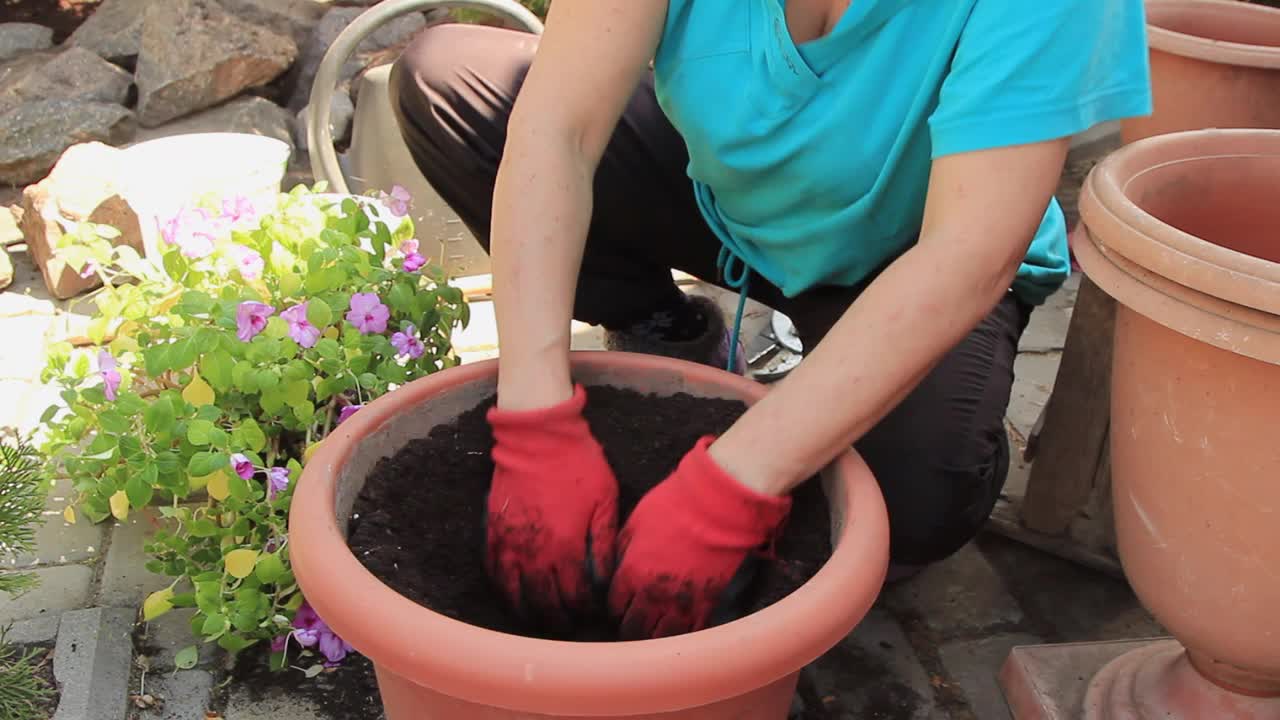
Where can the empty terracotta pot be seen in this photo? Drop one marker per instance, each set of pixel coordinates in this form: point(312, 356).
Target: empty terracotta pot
point(1214, 64)
point(1183, 230)
point(432, 667)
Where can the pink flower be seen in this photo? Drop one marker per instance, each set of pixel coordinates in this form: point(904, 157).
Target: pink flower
point(413, 262)
point(89, 270)
point(242, 466)
point(251, 319)
point(110, 375)
point(277, 481)
point(399, 201)
point(279, 643)
point(347, 411)
point(301, 329)
point(191, 230)
point(368, 314)
point(311, 631)
point(239, 209)
point(407, 342)
point(248, 261)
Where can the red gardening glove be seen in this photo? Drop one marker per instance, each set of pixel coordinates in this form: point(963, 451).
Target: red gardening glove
point(690, 549)
point(552, 512)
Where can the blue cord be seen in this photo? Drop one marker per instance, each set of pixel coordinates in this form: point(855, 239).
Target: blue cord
point(728, 262)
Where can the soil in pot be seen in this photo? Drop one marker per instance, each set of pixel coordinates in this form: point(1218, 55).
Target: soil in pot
point(418, 523)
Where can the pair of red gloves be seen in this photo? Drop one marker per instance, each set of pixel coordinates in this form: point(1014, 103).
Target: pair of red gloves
point(682, 560)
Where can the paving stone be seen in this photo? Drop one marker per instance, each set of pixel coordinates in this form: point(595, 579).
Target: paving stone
point(974, 664)
point(25, 359)
point(13, 304)
point(125, 580)
point(60, 589)
point(6, 268)
point(1047, 329)
point(274, 705)
point(1074, 603)
point(183, 695)
point(92, 662)
point(872, 674)
point(1033, 378)
point(963, 596)
point(59, 542)
point(164, 637)
point(36, 630)
point(24, 403)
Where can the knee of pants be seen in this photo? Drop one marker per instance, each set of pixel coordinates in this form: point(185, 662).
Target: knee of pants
point(938, 501)
point(442, 60)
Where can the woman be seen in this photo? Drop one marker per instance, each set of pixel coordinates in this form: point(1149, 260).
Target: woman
point(882, 171)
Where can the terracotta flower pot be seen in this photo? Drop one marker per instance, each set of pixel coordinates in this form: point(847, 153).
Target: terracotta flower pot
point(1214, 64)
point(432, 666)
point(1183, 230)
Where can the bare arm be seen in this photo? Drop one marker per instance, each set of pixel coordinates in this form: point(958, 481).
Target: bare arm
point(590, 59)
point(983, 209)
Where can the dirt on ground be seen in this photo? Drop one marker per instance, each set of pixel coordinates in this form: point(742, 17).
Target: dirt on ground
point(64, 16)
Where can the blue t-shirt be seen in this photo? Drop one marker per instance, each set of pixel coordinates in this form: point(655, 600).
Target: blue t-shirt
point(811, 162)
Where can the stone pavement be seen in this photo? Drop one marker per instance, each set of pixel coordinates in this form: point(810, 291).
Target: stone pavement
point(930, 649)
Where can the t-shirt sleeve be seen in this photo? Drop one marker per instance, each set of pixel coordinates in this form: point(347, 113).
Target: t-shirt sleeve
point(1026, 71)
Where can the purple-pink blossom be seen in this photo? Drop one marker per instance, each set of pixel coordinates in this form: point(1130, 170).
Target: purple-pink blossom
point(301, 329)
point(242, 466)
point(407, 343)
point(413, 261)
point(347, 411)
point(368, 313)
point(279, 643)
point(110, 375)
point(311, 631)
point(89, 270)
point(192, 230)
point(251, 319)
point(277, 481)
point(399, 200)
point(248, 262)
point(239, 210)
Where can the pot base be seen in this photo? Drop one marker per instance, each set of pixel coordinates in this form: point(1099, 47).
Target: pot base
point(1125, 680)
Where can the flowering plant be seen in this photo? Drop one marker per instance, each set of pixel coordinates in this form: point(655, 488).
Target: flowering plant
point(218, 368)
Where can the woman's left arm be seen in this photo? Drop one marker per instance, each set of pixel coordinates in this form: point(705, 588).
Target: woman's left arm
point(982, 210)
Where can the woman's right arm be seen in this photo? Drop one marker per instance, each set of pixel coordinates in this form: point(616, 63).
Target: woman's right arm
point(589, 62)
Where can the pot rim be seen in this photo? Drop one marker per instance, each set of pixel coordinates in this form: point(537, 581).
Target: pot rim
point(1203, 48)
point(569, 678)
point(1186, 259)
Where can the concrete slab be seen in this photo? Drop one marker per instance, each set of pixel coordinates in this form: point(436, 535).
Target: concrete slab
point(92, 662)
point(59, 542)
point(969, 662)
point(960, 597)
point(1033, 378)
point(36, 630)
point(125, 580)
point(60, 589)
point(1049, 682)
point(181, 696)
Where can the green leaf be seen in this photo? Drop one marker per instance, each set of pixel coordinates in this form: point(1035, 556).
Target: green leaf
point(138, 488)
point(250, 435)
point(194, 302)
point(112, 422)
point(297, 392)
point(245, 377)
point(314, 671)
point(267, 379)
point(290, 284)
point(213, 625)
point(204, 463)
point(158, 416)
point(216, 368)
point(187, 657)
point(203, 527)
point(318, 312)
point(270, 568)
point(156, 359)
point(328, 348)
point(234, 643)
point(400, 298)
point(304, 411)
point(199, 432)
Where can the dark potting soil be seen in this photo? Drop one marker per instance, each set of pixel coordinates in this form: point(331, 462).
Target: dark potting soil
point(418, 523)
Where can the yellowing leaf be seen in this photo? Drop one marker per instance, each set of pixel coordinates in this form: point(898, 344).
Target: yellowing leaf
point(69, 514)
point(167, 302)
point(196, 483)
point(119, 505)
point(157, 604)
point(240, 562)
point(219, 485)
point(311, 450)
point(330, 332)
point(198, 392)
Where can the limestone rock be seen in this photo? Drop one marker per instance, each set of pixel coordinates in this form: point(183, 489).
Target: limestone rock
point(17, 38)
point(248, 114)
point(114, 30)
point(6, 269)
point(295, 19)
point(341, 114)
point(394, 33)
point(34, 134)
point(195, 55)
point(74, 74)
point(13, 72)
point(84, 185)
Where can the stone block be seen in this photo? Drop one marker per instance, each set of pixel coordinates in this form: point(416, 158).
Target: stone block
point(6, 269)
point(962, 596)
point(19, 38)
point(60, 589)
point(86, 184)
point(195, 55)
point(34, 134)
point(974, 664)
point(92, 662)
point(181, 696)
point(126, 582)
point(59, 542)
point(34, 631)
point(1033, 379)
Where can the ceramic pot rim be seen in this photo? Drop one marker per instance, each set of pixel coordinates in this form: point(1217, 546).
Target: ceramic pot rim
point(564, 678)
point(1128, 229)
point(1203, 48)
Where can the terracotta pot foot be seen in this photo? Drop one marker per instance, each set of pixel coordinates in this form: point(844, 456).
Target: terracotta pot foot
point(1158, 681)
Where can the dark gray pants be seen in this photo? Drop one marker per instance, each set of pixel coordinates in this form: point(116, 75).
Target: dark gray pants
point(941, 456)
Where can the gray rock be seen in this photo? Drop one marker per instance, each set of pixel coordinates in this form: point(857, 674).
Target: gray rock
point(18, 38)
point(248, 114)
point(92, 662)
point(74, 74)
point(114, 30)
point(395, 33)
point(33, 135)
point(341, 114)
point(196, 55)
point(294, 19)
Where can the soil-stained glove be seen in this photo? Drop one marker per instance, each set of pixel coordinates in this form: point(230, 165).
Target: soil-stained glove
point(552, 512)
point(690, 549)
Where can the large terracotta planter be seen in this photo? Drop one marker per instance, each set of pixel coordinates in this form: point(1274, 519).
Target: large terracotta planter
point(1183, 230)
point(1214, 64)
point(431, 667)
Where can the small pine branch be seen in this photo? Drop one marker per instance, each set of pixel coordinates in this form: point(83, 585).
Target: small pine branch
point(22, 499)
point(24, 694)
